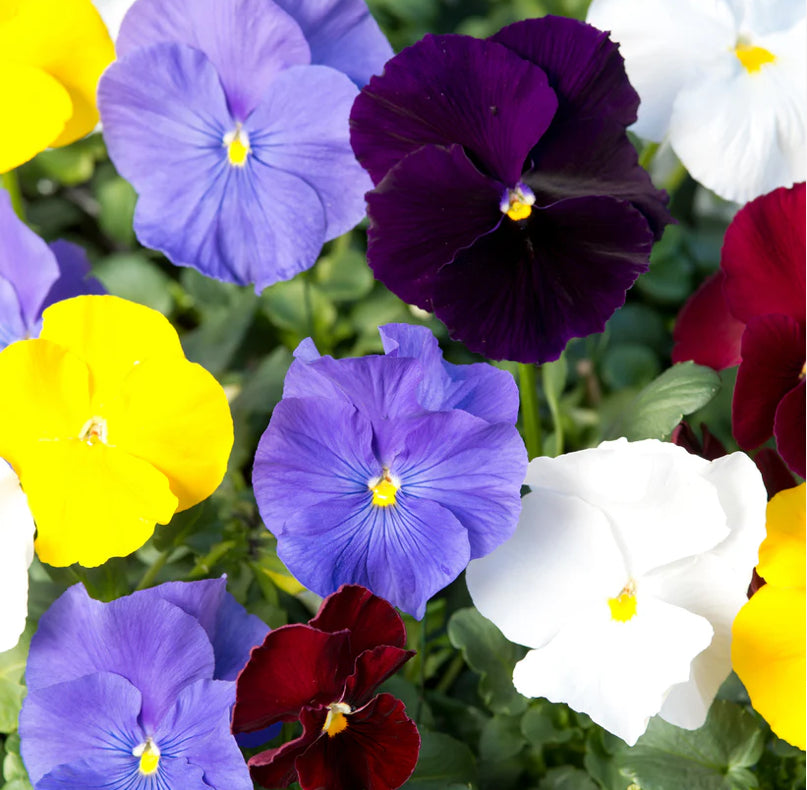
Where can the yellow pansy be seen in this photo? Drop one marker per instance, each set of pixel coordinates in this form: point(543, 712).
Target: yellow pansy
point(768, 647)
point(109, 427)
point(52, 53)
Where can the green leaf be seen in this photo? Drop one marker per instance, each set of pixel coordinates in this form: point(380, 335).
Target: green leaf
point(715, 757)
point(13, 768)
point(545, 723)
point(566, 778)
point(501, 738)
point(300, 307)
point(133, 276)
point(659, 406)
point(117, 199)
point(490, 655)
point(344, 276)
point(443, 762)
point(12, 688)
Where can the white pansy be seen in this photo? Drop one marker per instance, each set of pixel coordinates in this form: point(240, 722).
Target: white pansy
point(16, 555)
point(628, 566)
point(724, 80)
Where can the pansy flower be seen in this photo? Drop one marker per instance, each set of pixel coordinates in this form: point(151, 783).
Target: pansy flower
point(109, 427)
point(752, 312)
point(16, 555)
point(324, 674)
point(723, 81)
point(626, 571)
point(52, 53)
point(390, 471)
point(508, 199)
point(34, 275)
point(136, 694)
point(767, 651)
point(229, 117)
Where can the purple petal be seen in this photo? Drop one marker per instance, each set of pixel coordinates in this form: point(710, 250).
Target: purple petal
point(479, 389)
point(138, 637)
point(342, 34)
point(249, 42)
point(74, 270)
point(521, 294)
point(87, 775)
point(12, 326)
point(92, 717)
point(453, 89)
point(197, 729)
point(232, 631)
point(788, 428)
point(28, 266)
point(414, 212)
point(301, 128)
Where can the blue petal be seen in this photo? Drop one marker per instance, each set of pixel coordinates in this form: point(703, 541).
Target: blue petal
point(84, 775)
point(74, 271)
point(12, 326)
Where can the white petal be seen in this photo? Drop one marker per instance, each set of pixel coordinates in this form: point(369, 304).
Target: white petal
point(760, 17)
point(654, 494)
point(561, 560)
point(617, 673)
point(16, 555)
point(664, 43)
point(743, 134)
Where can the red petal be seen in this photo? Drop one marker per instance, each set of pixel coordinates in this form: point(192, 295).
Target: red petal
point(775, 474)
point(373, 667)
point(773, 357)
point(789, 428)
point(370, 619)
point(378, 751)
point(705, 330)
point(763, 256)
point(685, 437)
point(295, 666)
point(276, 767)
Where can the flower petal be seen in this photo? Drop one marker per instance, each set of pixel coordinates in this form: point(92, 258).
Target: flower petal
point(249, 42)
point(773, 358)
point(780, 556)
point(453, 89)
point(705, 330)
point(789, 428)
point(74, 273)
point(763, 256)
point(372, 668)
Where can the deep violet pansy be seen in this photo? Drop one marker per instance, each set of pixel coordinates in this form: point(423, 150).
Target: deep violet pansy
point(230, 119)
point(325, 674)
point(136, 694)
point(34, 275)
point(508, 198)
point(752, 312)
point(390, 471)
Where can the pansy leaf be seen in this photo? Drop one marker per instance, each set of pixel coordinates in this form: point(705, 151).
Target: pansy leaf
point(501, 738)
point(567, 778)
point(659, 406)
point(715, 757)
point(12, 689)
point(444, 764)
point(490, 655)
point(133, 276)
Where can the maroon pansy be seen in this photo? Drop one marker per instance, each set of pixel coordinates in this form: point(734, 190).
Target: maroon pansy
point(324, 674)
point(752, 312)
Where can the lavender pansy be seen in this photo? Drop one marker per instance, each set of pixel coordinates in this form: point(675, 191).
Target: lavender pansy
point(34, 275)
point(508, 198)
point(137, 693)
point(390, 471)
point(230, 120)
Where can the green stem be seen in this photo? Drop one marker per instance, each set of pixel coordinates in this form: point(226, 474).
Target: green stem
point(11, 182)
point(422, 678)
point(648, 154)
point(150, 576)
point(554, 410)
point(530, 417)
point(451, 674)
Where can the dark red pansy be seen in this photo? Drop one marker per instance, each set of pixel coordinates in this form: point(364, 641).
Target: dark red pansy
point(753, 312)
point(324, 674)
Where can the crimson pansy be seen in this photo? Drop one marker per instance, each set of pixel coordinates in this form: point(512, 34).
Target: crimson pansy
point(324, 675)
point(752, 312)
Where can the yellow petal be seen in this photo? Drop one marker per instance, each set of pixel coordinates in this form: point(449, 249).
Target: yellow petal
point(781, 555)
point(768, 655)
point(35, 110)
point(92, 502)
point(68, 40)
point(111, 335)
point(174, 414)
point(45, 396)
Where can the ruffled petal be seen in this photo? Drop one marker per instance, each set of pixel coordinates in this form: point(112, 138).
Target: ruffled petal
point(705, 330)
point(453, 89)
point(249, 42)
point(781, 555)
point(789, 428)
point(372, 668)
point(276, 767)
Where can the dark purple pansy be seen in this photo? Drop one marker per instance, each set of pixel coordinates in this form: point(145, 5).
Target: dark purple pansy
point(34, 275)
point(508, 198)
point(390, 471)
point(229, 117)
point(136, 694)
point(324, 674)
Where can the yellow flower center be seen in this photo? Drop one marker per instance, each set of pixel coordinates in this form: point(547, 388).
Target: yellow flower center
point(384, 490)
point(94, 431)
point(149, 755)
point(753, 58)
point(336, 721)
point(238, 147)
point(623, 607)
point(517, 203)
